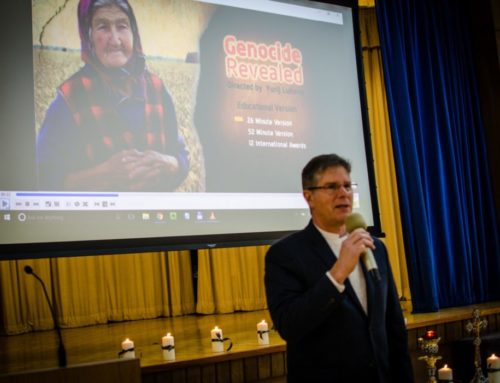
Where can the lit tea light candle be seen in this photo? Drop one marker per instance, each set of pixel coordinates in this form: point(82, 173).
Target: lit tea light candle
point(168, 347)
point(262, 333)
point(445, 373)
point(128, 349)
point(493, 367)
point(217, 339)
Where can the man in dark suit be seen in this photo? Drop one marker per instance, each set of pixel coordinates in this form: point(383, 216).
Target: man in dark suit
point(340, 324)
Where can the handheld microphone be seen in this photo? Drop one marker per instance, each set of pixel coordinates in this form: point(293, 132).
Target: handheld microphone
point(61, 351)
point(353, 222)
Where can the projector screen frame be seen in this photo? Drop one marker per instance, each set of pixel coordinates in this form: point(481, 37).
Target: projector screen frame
point(21, 10)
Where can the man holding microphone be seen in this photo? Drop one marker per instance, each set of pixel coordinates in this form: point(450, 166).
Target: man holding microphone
point(341, 322)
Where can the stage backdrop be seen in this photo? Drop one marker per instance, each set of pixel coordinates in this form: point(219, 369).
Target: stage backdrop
point(98, 289)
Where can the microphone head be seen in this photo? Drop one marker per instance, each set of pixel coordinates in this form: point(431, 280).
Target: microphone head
point(355, 221)
point(28, 269)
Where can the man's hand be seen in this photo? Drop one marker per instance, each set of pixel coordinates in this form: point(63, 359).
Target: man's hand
point(352, 247)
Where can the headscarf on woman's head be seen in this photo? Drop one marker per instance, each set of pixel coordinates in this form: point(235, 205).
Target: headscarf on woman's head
point(86, 10)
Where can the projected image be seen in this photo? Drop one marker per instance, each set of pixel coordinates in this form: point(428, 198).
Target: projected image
point(114, 94)
point(190, 96)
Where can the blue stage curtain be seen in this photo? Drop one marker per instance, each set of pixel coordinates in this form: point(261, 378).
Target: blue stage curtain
point(449, 227)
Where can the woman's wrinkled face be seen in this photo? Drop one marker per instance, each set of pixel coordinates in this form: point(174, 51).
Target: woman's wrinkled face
point(112, 37)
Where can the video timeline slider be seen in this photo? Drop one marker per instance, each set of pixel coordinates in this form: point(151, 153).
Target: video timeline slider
point(57, 201)
point(149, 201)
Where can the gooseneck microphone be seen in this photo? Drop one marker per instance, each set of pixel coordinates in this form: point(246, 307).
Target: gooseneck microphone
point(353, 222)
point(61, 351)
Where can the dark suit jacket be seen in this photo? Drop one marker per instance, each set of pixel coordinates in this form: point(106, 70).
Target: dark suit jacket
point(329, 336)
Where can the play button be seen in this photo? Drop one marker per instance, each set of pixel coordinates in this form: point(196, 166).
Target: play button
point(5, 205)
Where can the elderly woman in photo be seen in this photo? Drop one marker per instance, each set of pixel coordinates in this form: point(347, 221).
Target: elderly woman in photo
point(112, 125)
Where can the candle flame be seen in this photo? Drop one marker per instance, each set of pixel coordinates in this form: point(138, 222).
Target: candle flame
point(168, 334)
point(430, 334)
point(445, 366)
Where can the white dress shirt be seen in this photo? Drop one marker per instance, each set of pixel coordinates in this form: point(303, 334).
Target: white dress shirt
point(356, 278)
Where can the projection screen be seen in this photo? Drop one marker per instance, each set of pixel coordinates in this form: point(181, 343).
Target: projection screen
point(197, 141)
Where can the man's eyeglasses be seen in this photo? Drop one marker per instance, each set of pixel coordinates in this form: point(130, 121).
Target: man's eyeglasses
point(333, 188)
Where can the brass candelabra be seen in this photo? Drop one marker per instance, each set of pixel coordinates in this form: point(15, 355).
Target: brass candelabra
point(429, 344)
